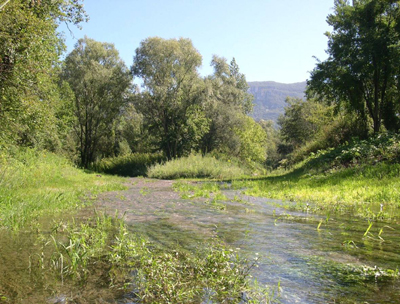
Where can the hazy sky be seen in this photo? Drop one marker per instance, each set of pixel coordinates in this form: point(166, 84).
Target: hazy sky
point(270, 39)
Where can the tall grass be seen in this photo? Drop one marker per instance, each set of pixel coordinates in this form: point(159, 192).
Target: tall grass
point(135, 164)
point(197, 166)
point(34, 183)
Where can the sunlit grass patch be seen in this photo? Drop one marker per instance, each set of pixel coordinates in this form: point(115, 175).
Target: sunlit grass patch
point(197, 166)
point(34, 183)
point(370, 190)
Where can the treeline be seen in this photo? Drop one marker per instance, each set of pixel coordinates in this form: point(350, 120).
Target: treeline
point(88, 108)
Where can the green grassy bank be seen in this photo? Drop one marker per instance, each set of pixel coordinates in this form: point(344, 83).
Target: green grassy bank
point(361, 178)
point(36, 183)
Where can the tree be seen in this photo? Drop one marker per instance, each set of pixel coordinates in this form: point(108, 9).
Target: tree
point(29, 66)
point(302, 120)
point(272, 142)
point(100, 82)
point(361, 72)
point(227, 102)
point(171, 102)
point(253, 141)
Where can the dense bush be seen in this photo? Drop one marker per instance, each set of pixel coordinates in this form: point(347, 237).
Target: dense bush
point(135, 164)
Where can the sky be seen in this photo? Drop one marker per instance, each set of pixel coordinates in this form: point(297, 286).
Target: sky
point(271, 40)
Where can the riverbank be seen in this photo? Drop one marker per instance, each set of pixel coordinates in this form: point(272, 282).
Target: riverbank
point(361, 178)
point(57, 247)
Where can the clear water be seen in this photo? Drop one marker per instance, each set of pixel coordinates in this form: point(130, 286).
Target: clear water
point(324, 265)
point(337, 263)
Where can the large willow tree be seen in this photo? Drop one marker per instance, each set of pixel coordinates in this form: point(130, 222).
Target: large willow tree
point(100, 82)
point(171, 100)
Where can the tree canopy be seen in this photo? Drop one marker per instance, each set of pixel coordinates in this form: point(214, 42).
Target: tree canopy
point(361, 72)
point(100, 82)
point(170, 101)
point(29, 65)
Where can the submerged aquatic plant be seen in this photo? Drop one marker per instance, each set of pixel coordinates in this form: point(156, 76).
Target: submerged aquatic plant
point(101, 253)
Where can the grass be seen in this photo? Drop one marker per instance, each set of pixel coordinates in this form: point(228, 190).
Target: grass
point(197, 166)
point(135, 164)
point(361, 178)
point(34, 183)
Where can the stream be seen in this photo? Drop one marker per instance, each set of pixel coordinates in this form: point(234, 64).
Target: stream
point(313, 258)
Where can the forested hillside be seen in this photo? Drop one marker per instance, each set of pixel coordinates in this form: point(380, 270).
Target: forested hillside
point(270, 96)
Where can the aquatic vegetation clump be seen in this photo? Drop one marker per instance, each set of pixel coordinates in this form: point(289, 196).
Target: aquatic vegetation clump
point(101, 254)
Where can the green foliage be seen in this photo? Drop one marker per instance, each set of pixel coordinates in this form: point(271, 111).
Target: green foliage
point(100, 81)
point(361, 71)
point(170, 103)
point(136, 164)
point(33, 183)
point(272, 142)
point(214, 274)
point(383, 147)
point(253, 140)
point(302, 121)
point(339, 131)
point(29, 51)
point(197, 166)
point(227, 101)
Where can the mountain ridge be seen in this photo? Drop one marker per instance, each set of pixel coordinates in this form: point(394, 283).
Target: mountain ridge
point(270, 96)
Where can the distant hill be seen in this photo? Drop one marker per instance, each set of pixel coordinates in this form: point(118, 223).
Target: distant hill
point(270, 96)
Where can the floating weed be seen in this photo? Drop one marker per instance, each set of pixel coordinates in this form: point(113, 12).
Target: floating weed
point(349, 244)
point(122, 197)
point(319, 225)
point(144, 191)
point(369, 227)
point(215, 204)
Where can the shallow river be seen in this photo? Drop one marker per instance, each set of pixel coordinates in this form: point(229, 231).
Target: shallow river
point(314, 259)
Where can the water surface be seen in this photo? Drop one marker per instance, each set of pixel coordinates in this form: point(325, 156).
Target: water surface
point(335, 263)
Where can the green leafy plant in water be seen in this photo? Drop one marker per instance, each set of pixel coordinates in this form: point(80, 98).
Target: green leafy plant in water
point(144, 191)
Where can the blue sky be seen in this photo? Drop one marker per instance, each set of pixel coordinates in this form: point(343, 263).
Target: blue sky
point(271, 40)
